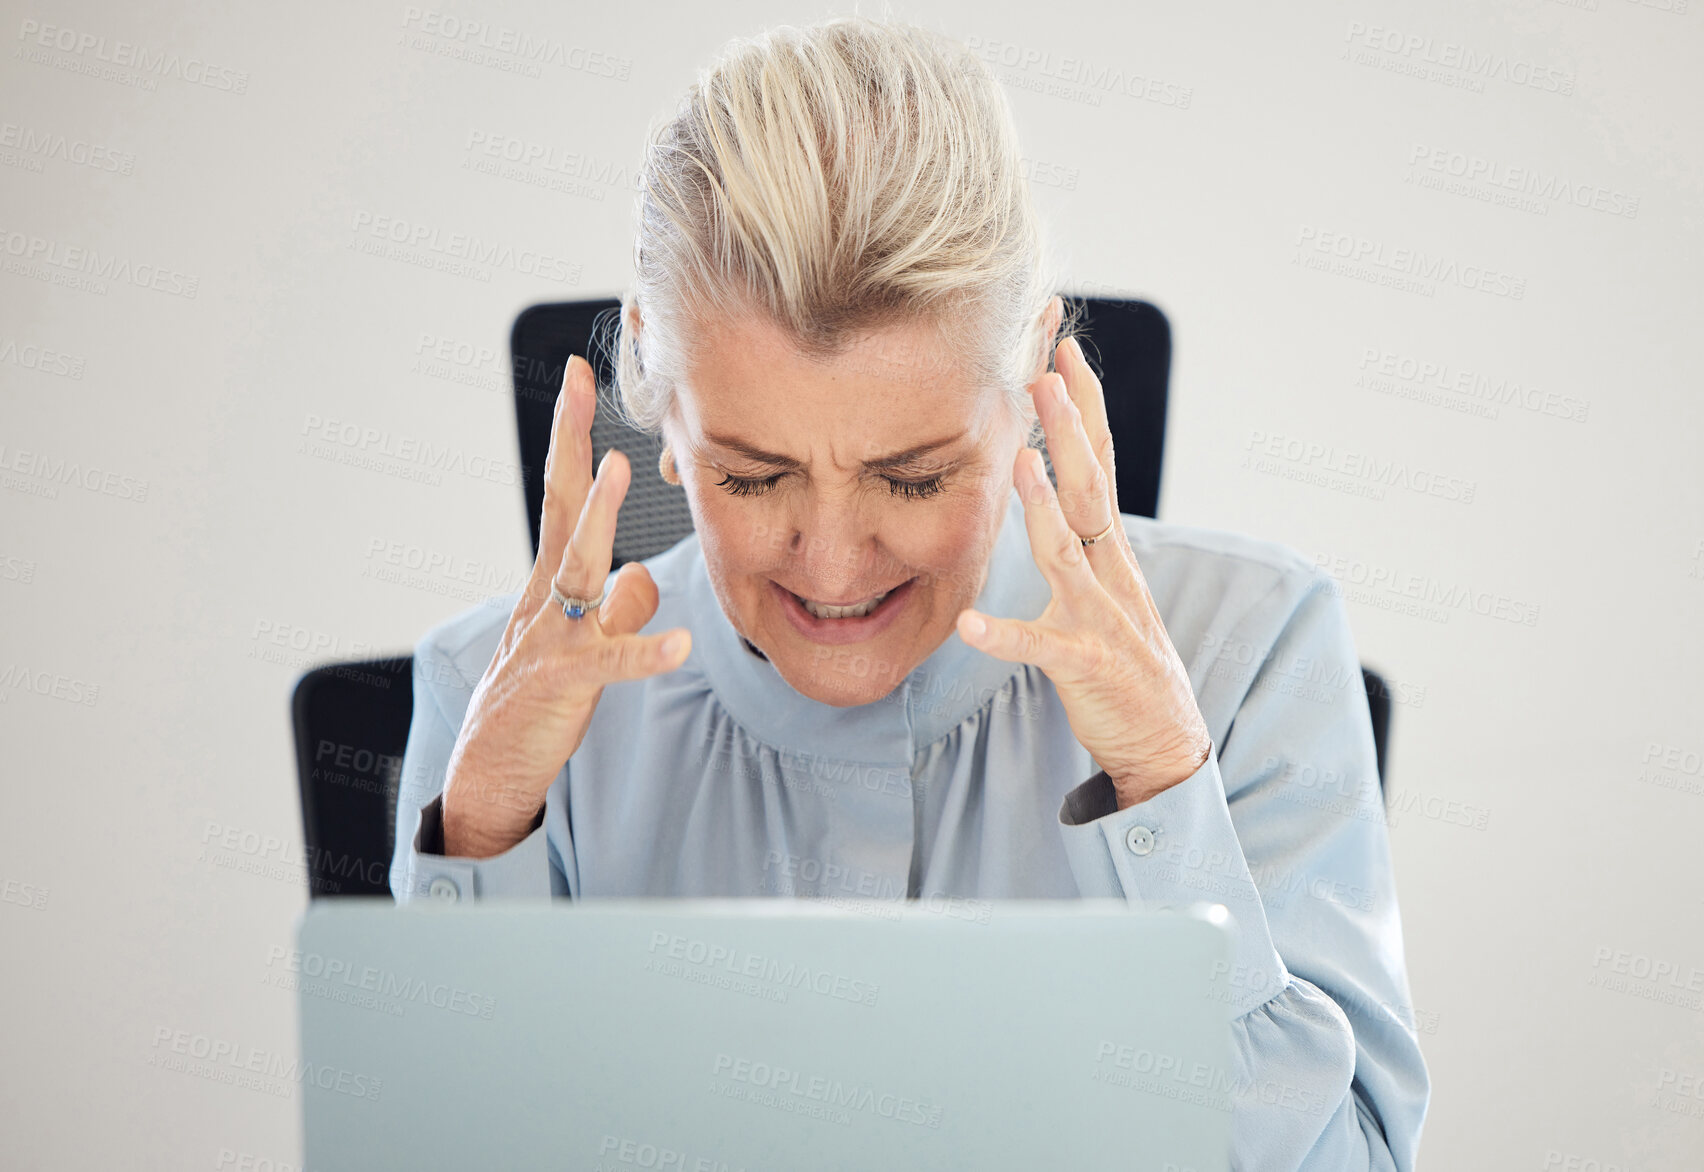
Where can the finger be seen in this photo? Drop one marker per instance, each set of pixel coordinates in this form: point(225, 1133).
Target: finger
point(1090, 399)
point(626, 657)
point(567, 471)
point(586, 560)
point(1056, 548)
point(1084, 493)
point(631, 603)
point(1087, 431)
point(1012, 640)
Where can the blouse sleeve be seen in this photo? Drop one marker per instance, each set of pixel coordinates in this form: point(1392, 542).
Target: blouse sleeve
point(419, 868)
point(1284, 825)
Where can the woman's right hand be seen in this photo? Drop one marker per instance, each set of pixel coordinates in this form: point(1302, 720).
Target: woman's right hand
point(535, 701)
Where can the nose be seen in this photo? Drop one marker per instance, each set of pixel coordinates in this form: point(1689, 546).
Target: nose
point(833, 542)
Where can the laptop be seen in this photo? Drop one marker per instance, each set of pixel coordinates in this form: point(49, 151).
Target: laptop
point(765, 1035)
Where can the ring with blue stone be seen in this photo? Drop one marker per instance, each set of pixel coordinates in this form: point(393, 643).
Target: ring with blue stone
point(574, 608)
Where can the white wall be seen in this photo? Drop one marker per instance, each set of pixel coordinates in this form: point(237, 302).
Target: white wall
point(1547, 738)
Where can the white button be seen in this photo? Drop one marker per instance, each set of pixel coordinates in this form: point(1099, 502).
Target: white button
point(1139, 839)
point(445, 889)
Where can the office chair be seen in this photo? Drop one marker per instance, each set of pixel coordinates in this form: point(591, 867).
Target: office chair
point(359, 712)
point(351, 724)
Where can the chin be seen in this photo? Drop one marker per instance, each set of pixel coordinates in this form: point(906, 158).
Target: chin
point(853, 660)
point(834, 681)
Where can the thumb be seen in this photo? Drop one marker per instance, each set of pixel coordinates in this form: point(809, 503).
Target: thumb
point(631, 602)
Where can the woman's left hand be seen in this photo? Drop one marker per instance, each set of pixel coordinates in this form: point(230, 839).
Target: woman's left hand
point(1100, 640)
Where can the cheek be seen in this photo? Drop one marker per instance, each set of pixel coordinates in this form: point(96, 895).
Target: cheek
point(947, 559)
point(735, 536)
point(952, 551)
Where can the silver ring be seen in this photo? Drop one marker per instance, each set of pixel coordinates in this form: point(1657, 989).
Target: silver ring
point(576, 608)
point(1101, 536)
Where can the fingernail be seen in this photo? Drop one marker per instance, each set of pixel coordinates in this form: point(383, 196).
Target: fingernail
point(674, 645)
point(974, 626)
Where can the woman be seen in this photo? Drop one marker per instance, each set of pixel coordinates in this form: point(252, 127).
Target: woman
point(893, 661)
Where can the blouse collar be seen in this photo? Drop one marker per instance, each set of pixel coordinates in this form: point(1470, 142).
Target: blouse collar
point(938, 695)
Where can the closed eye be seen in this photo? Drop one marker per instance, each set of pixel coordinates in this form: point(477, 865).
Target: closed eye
point(915, 489)
point(741, 486)
point(749, 486)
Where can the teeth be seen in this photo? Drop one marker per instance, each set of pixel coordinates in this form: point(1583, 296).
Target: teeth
point(842, 612)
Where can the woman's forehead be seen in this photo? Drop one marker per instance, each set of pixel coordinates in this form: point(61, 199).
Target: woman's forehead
point(895, 379)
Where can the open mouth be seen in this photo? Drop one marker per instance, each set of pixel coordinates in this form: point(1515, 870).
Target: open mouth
point(844, 622)
point(823, 610)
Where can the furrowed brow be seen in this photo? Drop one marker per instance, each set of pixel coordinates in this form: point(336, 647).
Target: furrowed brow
point(899, 459)
point(752, 451)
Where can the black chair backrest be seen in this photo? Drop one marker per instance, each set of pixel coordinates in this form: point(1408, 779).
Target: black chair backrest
point(1130, 341)
point(654, 514)
point(351, 725)
point(1378, 707)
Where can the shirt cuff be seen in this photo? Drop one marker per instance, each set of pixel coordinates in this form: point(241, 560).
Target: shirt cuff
point(1178, 847)
point(522, 870)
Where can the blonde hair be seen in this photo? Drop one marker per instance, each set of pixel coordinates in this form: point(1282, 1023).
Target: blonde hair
point(837, 178)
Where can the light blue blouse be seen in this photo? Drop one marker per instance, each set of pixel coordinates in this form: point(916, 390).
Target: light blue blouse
point(718, 779)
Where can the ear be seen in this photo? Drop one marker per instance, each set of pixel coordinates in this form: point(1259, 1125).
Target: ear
point(1051, 317)
point(671, 429)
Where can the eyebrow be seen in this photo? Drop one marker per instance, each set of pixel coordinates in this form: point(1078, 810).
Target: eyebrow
point(775, 459)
